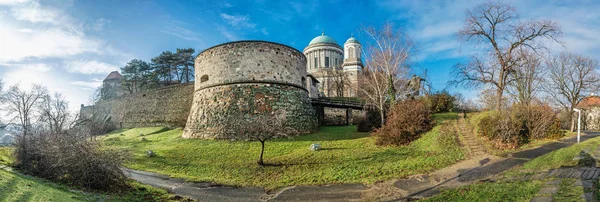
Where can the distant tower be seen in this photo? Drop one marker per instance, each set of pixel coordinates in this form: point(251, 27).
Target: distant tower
point(352, 65)
point(111, 86)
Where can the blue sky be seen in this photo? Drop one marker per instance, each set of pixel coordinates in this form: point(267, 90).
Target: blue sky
point(70, 46)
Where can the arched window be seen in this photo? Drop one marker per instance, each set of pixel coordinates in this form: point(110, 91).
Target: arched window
point(204, 78)
point(351, 52)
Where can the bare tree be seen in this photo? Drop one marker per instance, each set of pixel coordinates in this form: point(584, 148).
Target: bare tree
point(527, 78)
point(21, 104)
point(262, 127)
point(335, 81)
point(570, 77)
point(496, 27)
point(54, 112)
point(386, 66)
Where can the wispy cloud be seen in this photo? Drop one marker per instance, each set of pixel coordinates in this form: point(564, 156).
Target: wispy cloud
point(238, 21)
point(228, 34)
point(89, 67)
point(87, 85)
point(179, 31)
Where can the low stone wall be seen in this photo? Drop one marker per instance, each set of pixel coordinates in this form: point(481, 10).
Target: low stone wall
point(218, 105)
point(166, 107)
point(337, 116)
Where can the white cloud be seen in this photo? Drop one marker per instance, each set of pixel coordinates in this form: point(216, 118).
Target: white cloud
point(227, 33)
point(264, 31)
point(89, 67)
point(238, 21)
point(35, 13)
point(12, 2)
point(181, 32)
point(87, 85)
point(38, 67)
point(44, 43)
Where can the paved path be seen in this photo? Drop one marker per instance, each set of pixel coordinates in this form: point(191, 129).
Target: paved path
point(566, 180)
point(476, 169)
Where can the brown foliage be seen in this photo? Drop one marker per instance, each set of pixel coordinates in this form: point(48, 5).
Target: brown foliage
point(514, 127)
point(72, 159)
point(405, 123)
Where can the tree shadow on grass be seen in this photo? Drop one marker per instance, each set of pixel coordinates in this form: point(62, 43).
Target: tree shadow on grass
point(163, 129)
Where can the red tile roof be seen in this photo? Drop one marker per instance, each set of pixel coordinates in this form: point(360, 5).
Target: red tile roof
point(113, 75)
point(588, 102)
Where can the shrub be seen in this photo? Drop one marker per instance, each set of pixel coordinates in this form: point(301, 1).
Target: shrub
point(518, 124)
point(405, 123)
point(371, 121)
point(440, 101)
point(69, 158)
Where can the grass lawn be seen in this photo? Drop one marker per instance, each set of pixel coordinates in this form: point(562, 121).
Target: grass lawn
point(346, 156)
point(562, 157)
point(5, 156)
point(489, 191)
point(524, 191)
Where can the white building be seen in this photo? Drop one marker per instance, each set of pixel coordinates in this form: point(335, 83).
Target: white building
point(335, 67)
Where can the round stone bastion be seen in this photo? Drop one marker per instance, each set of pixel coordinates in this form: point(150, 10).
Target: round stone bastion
point(248, 78)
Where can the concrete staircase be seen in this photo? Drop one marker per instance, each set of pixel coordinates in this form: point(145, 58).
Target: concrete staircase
point(470, 139)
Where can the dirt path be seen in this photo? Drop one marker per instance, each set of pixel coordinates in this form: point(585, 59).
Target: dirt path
point(480, 167)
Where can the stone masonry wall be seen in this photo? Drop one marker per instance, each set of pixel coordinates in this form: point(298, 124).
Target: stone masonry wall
point(215, 107)
point(248, 77)
point(167, 107)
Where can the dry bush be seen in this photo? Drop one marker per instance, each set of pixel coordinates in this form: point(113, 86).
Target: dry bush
point(405, 123)
point(516, 126)
point(70, 158)
point(368, 123)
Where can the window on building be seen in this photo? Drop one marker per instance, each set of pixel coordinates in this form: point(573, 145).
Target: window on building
point(316, 62)
point(336, 62)
point(351, 52)
point(326, 62)
point(204, 78)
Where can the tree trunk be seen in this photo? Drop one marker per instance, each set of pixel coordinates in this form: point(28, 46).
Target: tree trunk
point(499, 93)
point(262, 151)
point(382, 115)
point(572, 119)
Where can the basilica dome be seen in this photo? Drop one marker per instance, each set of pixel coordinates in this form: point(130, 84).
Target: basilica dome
point(322, 39)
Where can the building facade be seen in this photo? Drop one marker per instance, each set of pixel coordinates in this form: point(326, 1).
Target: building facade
point(336, 68)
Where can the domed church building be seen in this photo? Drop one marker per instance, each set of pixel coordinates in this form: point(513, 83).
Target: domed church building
point(334, 68)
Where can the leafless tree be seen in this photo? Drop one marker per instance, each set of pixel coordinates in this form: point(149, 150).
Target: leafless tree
point(335, 81)
point(528, 76)
point(386, 66)
point(21, 105)
point(261, 127)
point(496, 27)
point(570, 78)
point(54, 112)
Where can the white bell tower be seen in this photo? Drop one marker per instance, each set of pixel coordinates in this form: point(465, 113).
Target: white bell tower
point(352, 65)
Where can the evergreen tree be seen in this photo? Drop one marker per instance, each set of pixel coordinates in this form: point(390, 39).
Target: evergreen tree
point(185, 61)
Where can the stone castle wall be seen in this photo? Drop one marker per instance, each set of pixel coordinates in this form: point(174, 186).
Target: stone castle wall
point(248, 77)
point(167, 107)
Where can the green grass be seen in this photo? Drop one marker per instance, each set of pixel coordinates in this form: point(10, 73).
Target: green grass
point(15, 187)
point(568, 192)
point(5, 156)
point(347, 156)
point(562, 157)
point(490, 191)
